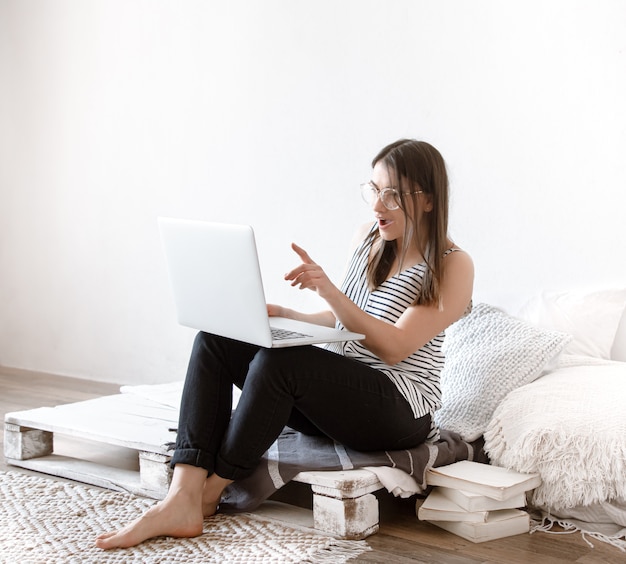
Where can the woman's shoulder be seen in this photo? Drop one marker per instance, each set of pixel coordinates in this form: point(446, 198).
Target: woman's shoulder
point(452, 249)
point(454, 253)
point(458, 269)
point(458, 259)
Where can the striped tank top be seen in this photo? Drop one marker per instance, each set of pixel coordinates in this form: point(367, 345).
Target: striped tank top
point(417, 376)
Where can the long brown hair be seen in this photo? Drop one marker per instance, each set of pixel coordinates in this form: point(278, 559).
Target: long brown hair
point(417, 166)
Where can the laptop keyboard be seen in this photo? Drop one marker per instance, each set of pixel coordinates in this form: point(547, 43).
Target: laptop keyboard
point(281, 334)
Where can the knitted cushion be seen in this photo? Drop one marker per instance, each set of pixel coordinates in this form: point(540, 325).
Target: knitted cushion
point(488, 354)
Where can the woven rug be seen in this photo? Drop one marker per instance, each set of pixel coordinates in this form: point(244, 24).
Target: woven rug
point(47, 521)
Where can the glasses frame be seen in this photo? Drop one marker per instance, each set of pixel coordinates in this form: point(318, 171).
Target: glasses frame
point(381, 194)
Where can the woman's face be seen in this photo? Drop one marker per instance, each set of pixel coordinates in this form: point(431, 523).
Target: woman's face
point(391, 223)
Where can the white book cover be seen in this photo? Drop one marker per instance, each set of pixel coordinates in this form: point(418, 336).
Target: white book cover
point(476, 502)
point(492, 481)
point(437, 507)
point(500, 524)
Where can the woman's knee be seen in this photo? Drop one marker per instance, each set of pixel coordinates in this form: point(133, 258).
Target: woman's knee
point(274, 367)
point(202, 341)
point(222, 347)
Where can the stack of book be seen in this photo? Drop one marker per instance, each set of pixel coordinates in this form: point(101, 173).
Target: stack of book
point(478, 502)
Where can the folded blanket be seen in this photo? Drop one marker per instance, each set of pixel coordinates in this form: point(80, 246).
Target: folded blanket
point(294, 452)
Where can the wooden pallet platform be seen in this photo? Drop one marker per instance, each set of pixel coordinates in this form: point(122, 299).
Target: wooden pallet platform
point(121, 442)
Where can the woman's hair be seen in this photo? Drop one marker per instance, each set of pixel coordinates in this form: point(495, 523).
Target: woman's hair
point(417, 165)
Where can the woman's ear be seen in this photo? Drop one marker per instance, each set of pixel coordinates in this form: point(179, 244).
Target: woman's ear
point(427, 205)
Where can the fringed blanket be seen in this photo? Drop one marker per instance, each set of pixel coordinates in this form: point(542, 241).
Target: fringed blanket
point(570, 426)
point(293, 453)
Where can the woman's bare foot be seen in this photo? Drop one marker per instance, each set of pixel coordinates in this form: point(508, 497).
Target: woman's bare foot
point(178, 515)
point(169, 518)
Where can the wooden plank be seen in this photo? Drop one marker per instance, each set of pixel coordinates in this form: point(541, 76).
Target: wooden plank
point(87, 472)
point(351, 519)
point(24, 443)
point(125, 404)
point(343, 505)
point(155, 471)
point(109, 419)
point(99, 464)
point(341, 483)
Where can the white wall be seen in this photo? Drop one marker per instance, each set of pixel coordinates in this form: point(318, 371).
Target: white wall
point(115, 111)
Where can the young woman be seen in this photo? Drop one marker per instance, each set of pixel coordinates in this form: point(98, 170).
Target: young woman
point(406, 282)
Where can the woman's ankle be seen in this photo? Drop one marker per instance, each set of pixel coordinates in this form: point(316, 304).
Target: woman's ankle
point(214, 487)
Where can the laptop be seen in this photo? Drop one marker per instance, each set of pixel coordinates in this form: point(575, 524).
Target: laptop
point(216, 280)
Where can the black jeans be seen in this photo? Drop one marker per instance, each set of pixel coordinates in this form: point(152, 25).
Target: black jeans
point(309, 389)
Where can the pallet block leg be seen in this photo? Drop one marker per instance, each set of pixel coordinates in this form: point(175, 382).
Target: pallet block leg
point(24, 443)
point(154, 471)
point(347, 518)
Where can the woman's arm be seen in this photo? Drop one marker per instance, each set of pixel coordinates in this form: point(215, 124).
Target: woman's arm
point(326, 318)
point(418, 325)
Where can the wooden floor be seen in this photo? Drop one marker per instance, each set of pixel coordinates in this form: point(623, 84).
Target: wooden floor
point(402, 538)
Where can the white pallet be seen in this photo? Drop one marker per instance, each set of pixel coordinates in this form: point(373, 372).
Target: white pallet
point(119, 442)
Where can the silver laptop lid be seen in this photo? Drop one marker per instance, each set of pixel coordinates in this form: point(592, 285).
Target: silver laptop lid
point(215, 276)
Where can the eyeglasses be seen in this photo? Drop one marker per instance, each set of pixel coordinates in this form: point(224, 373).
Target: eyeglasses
point(390, 197)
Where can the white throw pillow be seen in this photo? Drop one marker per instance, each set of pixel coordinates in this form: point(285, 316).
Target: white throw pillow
point(488, 354)
point(618, 351)
point(592, 318)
